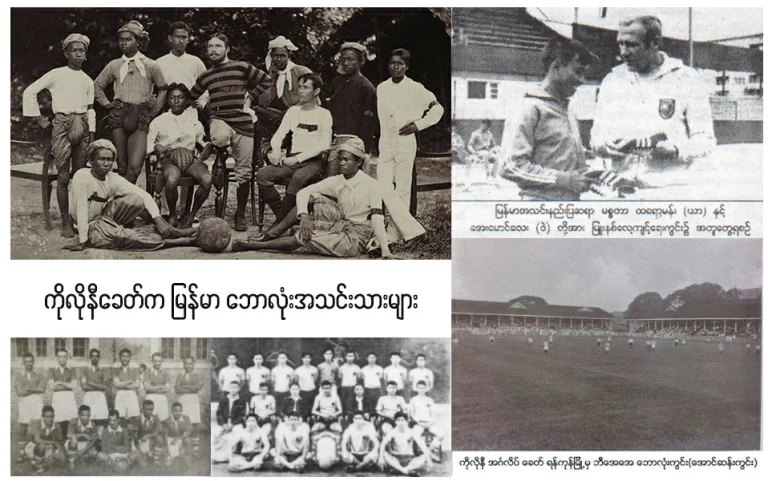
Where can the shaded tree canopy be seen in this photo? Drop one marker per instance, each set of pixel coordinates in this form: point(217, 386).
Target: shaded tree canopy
point(646, 303)
point(36, 36)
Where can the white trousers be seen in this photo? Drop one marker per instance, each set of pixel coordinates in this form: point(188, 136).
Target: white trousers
point(396, 156)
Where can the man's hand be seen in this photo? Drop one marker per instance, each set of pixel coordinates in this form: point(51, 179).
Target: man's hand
point(275, 157)
point(615, 149)
point(206, 152)
point(75, 247)
point(43, 122)
point(163, 227)
point(289, 161)
point(306, 226)
point(91, 137)
point(408, 129)
point(117, 103)
point(665, 150)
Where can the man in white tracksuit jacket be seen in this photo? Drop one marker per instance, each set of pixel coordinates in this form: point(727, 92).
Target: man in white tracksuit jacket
point(402, 104)
point(651, 94)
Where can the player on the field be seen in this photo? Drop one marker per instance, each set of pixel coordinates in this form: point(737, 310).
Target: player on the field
point(420, 373)
point(372, 376)
point(281, 377)
point(231, 372)
point(349, 375)
point(720, 347)
point(178, 434)
point(546, 346)
point(359, 444)
point(607, 347)
point(395, 372)
point(388, 406)
point(530, 341)
point(82, 435)
point(62, 381)
point(653, 345)
point(631, 342)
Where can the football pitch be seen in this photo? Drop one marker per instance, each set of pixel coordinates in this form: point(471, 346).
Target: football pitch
point(510, 396)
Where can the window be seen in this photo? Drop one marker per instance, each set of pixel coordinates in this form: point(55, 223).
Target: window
point(41, 347)
point(22, 347)
point(58, 344)
point(494, 90)
point(476, 90)
point(739, 81)
point(185, 347)
point(201, 350)
point(722, 80)
point(79, 347)
point(167, 347)
point(755, 78)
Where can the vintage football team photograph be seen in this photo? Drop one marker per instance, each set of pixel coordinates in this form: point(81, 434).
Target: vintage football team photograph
point(252, 133)
point(108, 406)
point(331, 407)
point(616, 345)
point(588, 103)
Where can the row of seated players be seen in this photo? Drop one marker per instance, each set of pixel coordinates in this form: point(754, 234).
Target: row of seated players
point(355, 433)
point(120, 445)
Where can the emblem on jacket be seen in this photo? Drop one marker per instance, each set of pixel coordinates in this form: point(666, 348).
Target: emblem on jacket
point(666, 108)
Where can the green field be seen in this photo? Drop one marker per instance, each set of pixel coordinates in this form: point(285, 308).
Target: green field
point(510, 396)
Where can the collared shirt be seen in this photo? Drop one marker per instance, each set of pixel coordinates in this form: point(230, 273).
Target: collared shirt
point(61, 374)
point(71, 93)
point(358, 404)
point(353, 106)
point(146, 425)
point(349, 374)
point(231, 410)
point(49, 433)
point(76, 427)
point(397, 374)
point(30, 380)
point(404, 102)
point(306, 376)
point(290, 96)
point(135, 88)
point(183, 69)
point(311, 128)
point(174, 131)
point(292, 404)
point(372, 376)
point(421, 374)
point(177, 428)
point(281, 377)
point(84, 208)
point(157, 377)
point(187, 382)
point(357, 196)
point(93, 375)
point(115, 441)
point(672, 100)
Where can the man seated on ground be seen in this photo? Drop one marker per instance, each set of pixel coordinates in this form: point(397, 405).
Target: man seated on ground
point(82, 436)
point(360, 444)
point(173, 136)
point(327, 410)
point(249, 448)
point(292, 444)
point(389, 406)
point(340, 228)
point(541, 151)
point(45, 450)
point(229, 422)
point(397, 449)
point(311, 128)
point(148, 429)
point(105, 204)
point(422, 412)
point(116, 445)
point(263, 406)
point(178, 434)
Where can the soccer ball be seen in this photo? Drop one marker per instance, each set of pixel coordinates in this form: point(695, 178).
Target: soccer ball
point(213, 235)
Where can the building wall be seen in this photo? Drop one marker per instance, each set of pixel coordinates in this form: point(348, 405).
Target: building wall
point(141, 348)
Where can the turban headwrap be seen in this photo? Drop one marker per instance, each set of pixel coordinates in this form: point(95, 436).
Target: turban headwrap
point(355, 146)
point(353, 46)
point(75, 37)
point(136, 29)
point(283, 75)
point(100, 144)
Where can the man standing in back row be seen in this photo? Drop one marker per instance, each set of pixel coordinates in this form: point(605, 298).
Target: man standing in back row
point(229, 83)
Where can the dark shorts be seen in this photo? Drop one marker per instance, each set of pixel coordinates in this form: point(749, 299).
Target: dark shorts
point(389, 421)
point(261, 422)
point(130, 118)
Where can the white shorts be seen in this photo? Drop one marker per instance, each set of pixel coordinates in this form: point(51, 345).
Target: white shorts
point(97, 401)
point(127, 403)
point(30, 408)
point(190, 403)
point(161, 405)
point(64, 406)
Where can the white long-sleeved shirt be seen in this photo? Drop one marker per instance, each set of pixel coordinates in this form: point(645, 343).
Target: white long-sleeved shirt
point(84, 185)
point(673, 100)
point(175, 131)
point(71, 93)
point(356, 196)
point(401, 103)
point(312, 130)
point(183, 69)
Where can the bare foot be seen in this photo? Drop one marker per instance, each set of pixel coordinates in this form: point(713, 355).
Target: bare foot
point(186, 222)
point(173, 220)
point(67, 231)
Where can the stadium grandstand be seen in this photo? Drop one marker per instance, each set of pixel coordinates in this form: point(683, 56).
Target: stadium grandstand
point(517, 316)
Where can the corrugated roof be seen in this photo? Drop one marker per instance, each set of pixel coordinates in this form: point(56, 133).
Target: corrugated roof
point(549, 310)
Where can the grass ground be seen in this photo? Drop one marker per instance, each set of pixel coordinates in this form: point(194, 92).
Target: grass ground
point(30, 240)
point(513, 397)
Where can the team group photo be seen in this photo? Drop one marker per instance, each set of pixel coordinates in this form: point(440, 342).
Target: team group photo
point(331, 407)
point(566, 104)
point(257, 133)
point(96, 406)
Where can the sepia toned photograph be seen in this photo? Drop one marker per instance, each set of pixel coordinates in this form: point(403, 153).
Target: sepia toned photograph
point(617, 345)
point(331, 407)
point(108, 406)
point(588, 103)
point(237, 133)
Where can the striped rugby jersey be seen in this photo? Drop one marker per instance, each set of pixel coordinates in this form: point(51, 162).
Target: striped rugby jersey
point(227, 84)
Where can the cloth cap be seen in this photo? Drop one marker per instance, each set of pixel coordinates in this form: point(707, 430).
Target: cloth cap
point(136, 29)
point(355, 46)
point(100, 144)
point(355, 146)
point(75, 37)
point(282, 42)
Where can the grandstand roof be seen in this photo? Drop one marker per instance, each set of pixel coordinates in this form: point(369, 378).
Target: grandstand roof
point(743, 309)
point(548, 310)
